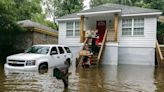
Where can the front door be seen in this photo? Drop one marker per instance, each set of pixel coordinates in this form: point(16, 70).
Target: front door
point(101, 26)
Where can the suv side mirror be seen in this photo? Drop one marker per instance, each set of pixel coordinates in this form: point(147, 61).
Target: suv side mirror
point(53, 52)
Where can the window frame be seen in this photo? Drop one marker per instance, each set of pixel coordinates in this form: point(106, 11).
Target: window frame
point(74, 29)
point(69, 29)
point(62, 49)
point(133, 27)
point(53, 50)
point(138, 27)
point(67, 50)
point(129, 27)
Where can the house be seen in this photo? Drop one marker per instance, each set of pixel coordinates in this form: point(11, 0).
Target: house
point(35, 34)
point(131, 32)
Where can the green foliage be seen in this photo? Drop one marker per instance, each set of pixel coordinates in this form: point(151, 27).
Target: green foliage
point(63, 7)
point(160, 32)
point(99, 2)
point(27, 8)
point(12, 11)
point(40, 18)
point(7, 17)
point(160, 27)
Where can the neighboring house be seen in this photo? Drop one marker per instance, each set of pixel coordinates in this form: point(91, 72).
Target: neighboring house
point(131, 37)
point(35, 34)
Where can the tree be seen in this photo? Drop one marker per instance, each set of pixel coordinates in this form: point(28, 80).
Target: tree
point(7, 16)
point(99, 2)
point(63, 7)
point(94, 3)
point(48, 7)
point(11, 12)
point(40, 18)
point(26, 9)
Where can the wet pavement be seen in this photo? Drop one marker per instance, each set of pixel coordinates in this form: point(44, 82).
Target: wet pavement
point(122, 78)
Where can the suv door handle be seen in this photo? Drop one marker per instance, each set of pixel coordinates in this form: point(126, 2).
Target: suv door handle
point(58, 57)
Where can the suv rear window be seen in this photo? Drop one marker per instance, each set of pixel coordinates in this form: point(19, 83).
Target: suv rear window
point(67, 49)
point(61, 50)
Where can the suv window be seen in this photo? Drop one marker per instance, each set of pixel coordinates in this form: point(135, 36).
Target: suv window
point(61, 50)
point(54, 50)
point(67, 49)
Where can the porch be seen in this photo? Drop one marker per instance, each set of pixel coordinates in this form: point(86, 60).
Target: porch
point(91, 23)
point(107, 27)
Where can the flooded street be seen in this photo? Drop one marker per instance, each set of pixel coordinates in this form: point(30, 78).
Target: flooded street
point(123, 78)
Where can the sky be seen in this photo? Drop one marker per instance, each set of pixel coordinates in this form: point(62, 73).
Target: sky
point(86, 3)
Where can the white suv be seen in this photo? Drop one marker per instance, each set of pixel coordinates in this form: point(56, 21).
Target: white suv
point(40, 57)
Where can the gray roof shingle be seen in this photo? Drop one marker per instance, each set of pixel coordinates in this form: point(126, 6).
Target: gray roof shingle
point(73, 15)
point(106, 7)
point(29, 23)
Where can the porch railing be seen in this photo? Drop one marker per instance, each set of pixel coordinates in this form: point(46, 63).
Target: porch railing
point(102, 46)
point(110, 36)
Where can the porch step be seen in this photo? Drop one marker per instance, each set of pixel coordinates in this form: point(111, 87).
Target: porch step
point(162, 50)
point(94, 63)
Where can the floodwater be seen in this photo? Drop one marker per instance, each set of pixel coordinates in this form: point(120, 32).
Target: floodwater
point(122, 78)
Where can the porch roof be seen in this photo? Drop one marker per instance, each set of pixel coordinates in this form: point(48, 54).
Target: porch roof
point(115, 8)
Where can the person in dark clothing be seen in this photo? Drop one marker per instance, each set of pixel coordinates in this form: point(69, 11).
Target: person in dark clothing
point(94, 44)
point(85, 60)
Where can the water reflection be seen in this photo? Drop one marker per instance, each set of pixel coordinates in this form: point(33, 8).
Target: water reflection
point(159, 77)
point(122, 78)
point(31, 81)
point(136, 78)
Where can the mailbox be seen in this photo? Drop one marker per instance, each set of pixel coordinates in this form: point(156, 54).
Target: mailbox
point(60, 72)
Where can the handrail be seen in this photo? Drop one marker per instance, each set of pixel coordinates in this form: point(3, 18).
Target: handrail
point(159, 51)
point(78, 55)
point(102, 46)
point(82, 46)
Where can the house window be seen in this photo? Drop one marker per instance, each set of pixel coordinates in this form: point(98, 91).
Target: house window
point(69, 31)
point(138, 26)
point(72, 29)
point(133, 27)
point(77, 29)
point(127, 27)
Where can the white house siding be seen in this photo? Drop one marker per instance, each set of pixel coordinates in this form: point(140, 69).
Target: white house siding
point(148, 40)
point(75, 51)
point(138, 50)
point(72, 41)
point(110, 55)
point(136, 56)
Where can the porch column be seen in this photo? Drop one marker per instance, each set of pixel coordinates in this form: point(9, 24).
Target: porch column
point(115, 27)
point(81, 29)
